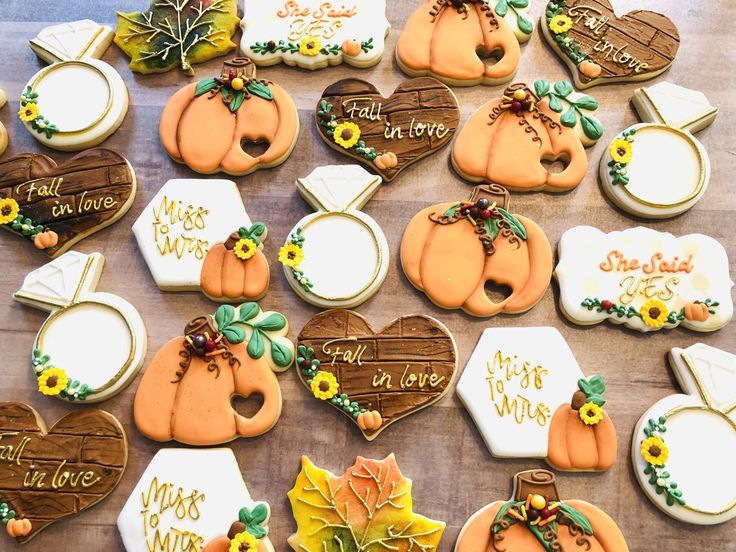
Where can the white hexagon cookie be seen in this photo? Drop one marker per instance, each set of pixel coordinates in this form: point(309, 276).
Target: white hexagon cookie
point(193, 499)
point(529, 399)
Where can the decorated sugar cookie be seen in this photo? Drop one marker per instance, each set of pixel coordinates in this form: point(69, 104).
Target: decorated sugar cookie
point(658, 169)
point(313, 34)
point(47, 474)
point(3, 130)
point(506, 141)
point(452, 40)
point(78, 101)
point(114, 333)
point(187, 390)
point(208, 125)
point(672, 448)
point(600, 47)
point(177, 33)
point(196, 235)
point(338, 256)
point(187, 499)
point(387, 134)
point(451, 250)
point(645, 279)
point(534, 402)
point(54, 206)
point(369, 507)
point(536, 519)
point(376, 378)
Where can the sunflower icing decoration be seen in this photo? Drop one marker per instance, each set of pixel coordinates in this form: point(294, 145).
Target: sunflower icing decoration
point(655, 452)
point(589, 401)
point(249, 240)
point(310, 46)
point(291, 255)
point(621, 152)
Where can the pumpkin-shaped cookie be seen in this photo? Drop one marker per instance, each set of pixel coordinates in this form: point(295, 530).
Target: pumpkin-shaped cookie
point(451, 250)
point(507, 141)
point(451, 39)
point(536, 520)
point(206, 125)
point(186, 393)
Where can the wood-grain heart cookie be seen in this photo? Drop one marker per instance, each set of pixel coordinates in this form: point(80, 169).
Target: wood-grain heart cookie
point(376, 378)
point(46, 475)
point(600, 47)
point(387, 134)
point(55, 206)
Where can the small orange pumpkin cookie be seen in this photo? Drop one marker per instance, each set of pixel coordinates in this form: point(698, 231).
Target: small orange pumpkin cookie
point(186, 393)
point(205, 125)
point(537, 520)
point(507, 140)
point(451, 250)
point(451, 39)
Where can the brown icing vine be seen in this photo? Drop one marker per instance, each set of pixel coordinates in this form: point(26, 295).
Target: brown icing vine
point(201, 339)
point(519, 100)
point(461, 6)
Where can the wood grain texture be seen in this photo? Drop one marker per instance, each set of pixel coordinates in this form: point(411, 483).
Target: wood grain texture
point(439, 448)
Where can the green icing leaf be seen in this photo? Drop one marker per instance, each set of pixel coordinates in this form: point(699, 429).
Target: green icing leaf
point(555, 104)
point(255, 345)
point(502, 512)
point(451, 211)
point(502, 8)
point(261, 90)
point(597, 384)
point(524, 23)
point(538, 532)
point(541, 87)
point(519, 3)
point(234, 334)
point(516, 225)
point(592, 127)
point(281, 354)
point(274, 321)
point(586, 102)
point(569, 118)
point(237, 101)
point(224, 315)
point(252, 519)
point(248, 311)
point(563, 88)
point(577, 517)
point(205, 86)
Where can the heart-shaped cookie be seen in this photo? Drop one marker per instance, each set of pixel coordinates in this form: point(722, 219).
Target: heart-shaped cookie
point(55, 206)
point(376, 378)
point(387, 134)
point(600, 47)
point(46, 475)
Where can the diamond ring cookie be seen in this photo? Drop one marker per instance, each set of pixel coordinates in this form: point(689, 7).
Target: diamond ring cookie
point(47, 474)
point(534, 402)
point(645, 279)
point(187, 391)
point(196, 235)
point(452, 250)
point(186, 499)
point(375, 378)
point(175, 33)
point(313, 34)
point(54, 206)
point(658, 169)
point(369, 507)
point(536, 519)
point(451, 40)
point(387, 134)
point(506, 141)
point(78, 101)
point(600, 47)
point(672, 448)
point(208, 125)
point(338, 256)
point(114, 333)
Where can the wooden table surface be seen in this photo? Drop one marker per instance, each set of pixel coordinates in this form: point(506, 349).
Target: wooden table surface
point(440, 447)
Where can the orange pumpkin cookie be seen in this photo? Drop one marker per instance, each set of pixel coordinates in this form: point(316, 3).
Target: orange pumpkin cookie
point(537, 520)
point(451, 250)
point(186, 393)
point(453, 39)
point(507, 141)
point(206, 125)
point(249, 532)
point(519, 397)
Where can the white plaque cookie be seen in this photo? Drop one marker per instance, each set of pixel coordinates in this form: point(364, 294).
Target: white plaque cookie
point(644, 279)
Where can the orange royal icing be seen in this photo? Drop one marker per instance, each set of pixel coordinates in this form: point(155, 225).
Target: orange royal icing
point(576, 446)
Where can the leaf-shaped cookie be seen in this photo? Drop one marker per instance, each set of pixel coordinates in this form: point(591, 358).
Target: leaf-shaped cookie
point(177, 32)
point(368, 508)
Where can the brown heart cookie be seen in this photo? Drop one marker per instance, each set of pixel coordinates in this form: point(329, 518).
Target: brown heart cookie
point(600, 47)
point(387, 134)
point(55, 206)
point(49, 475)
point(376, 378)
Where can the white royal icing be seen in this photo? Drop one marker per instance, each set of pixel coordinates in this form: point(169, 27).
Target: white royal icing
point(594, 265)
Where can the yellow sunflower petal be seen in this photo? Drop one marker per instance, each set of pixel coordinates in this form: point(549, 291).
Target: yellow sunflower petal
point(560, 24)
point(654, 313)
point(9, 210)
point(621, 151)
point(291, 255)
point(590, 413)
point(28, 112)
point(654, 451)
point(244, 538)
point(52, 381)
point(245, 248)
point(324, 386)
point(310, 46)
point(346, 134)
